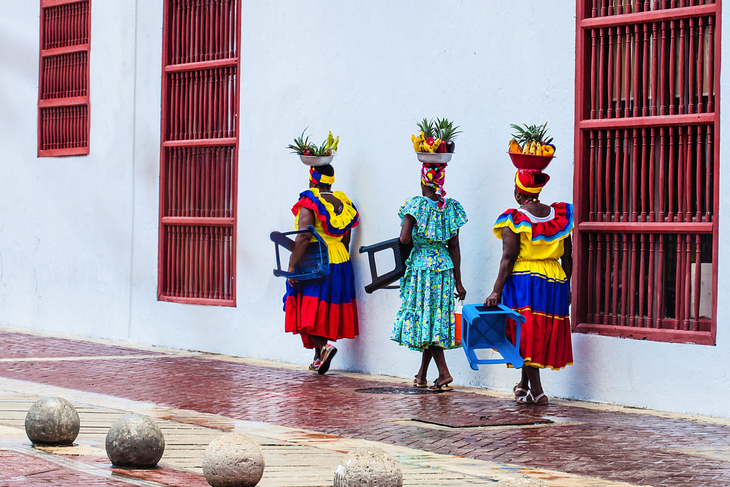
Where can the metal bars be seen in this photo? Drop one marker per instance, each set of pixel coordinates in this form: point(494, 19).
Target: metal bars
point(646, 185)
point(203, 104)
point(64, 127)
point(199, 167)
point(65, 25)
point(63, 86)
point(664, 67)
point(65, 76)
point(203, 30)
point(199, 182)
point(200, 262)
point(659, 174)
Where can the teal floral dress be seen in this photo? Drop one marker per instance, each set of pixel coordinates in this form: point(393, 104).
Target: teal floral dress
point(426, 315)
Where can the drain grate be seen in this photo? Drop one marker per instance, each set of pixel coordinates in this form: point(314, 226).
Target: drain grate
point(477, 420)
point(408, 391)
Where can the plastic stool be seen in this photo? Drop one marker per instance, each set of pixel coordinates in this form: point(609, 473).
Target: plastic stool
point(400, 255)
point(314, 264)
point(484, 327)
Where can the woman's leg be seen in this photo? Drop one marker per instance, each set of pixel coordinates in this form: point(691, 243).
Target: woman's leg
point(319, 342)
point(523, 385)
point(438, 357)
point(421, 377)
point(533, 374)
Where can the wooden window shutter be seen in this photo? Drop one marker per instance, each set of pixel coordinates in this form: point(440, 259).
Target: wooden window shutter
point(63, 86)
point(646, 169)
point(199, 153)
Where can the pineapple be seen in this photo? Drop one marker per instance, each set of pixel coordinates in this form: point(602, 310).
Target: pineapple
point(528, 134)
point(301, 145)
point(445, 129)
point(428, 128)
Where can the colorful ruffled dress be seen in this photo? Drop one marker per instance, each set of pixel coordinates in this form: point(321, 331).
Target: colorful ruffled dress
point(538, 288)
point(325, 307)
point(426, 315)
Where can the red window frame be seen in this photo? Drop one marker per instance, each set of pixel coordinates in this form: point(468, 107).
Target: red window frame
point(646, 168)
point(63, 79)
point(199, 152)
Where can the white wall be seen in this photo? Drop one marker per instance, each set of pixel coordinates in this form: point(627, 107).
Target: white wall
point(79, 234)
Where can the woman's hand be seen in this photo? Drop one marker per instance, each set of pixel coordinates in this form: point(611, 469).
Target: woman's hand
point(460, 291)
point(493, 299)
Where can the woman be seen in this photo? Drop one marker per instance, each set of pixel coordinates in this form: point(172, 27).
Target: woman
point(425, 321)
point(320, 310)
point(533, 283)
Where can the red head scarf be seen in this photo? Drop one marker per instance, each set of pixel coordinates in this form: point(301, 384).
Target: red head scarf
point(530, 181)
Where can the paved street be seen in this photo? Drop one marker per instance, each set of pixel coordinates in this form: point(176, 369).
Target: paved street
point(306, 422)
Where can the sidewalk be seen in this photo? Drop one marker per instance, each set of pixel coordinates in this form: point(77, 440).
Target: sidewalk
point(465, 437)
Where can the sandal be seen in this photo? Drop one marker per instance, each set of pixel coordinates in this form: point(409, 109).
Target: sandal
point(532, 400)
point(314, 366)
point(516, 389)
point(436, 387)
point(328, 353)
point(420, 385)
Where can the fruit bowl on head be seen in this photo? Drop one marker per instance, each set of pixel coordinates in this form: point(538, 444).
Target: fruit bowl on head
point(316, 160)
point(434, 158)
point(529, 161)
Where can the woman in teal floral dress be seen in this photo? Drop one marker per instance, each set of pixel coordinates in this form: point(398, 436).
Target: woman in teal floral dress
point(425, 320)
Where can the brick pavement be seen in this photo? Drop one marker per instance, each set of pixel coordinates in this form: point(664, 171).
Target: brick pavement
point(622, 446)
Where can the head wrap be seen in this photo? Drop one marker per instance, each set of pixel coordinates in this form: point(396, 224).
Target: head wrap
point(434, 176)
point(526, 182)
point(319, 178)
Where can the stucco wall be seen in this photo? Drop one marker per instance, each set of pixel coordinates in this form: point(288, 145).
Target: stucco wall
point(78, 237)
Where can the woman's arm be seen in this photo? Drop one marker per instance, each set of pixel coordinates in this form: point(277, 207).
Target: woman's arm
point(455, 253)
point(346, 240)
point(406, 229)
point(510, 251)
point(566, 261)
point(306, 217)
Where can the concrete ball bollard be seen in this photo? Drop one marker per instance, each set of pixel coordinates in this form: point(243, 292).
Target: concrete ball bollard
point(52, 421)
point(233, 460)
point(135, 441)
point(366, 467)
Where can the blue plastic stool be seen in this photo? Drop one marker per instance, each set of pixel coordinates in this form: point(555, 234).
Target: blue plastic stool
point(314, 264)
point(487, 328)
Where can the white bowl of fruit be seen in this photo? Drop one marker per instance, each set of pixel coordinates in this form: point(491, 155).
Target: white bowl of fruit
point(435, 143)
point(312, 154)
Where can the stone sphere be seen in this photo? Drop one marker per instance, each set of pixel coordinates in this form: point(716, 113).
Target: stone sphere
point(366, 467)
point(233, 460)
point(135, 441)
point(52, 421)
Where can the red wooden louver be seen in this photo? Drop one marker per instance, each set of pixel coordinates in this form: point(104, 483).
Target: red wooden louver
point(646, 185)
point(63, 87)
point(199, 154)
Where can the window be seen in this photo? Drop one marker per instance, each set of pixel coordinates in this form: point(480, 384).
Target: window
point(199, 154)
point(63, 85)
point(646, 185)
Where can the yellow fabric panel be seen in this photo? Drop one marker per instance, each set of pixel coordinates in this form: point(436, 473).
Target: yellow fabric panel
point(544, 251)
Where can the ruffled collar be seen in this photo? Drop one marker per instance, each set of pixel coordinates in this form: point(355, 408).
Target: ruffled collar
point(334, 225)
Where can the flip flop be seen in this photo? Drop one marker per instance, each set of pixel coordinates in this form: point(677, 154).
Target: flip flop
point(421, 385)
point(532, 400)
point(327, 355)
point(440, 387)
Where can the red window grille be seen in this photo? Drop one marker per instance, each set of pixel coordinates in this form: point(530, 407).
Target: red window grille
point(646, 166)
point(63, 86)
point(199, 153)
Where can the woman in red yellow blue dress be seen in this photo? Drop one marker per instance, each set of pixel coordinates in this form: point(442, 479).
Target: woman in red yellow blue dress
point(322, 310)
point(532, 282)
